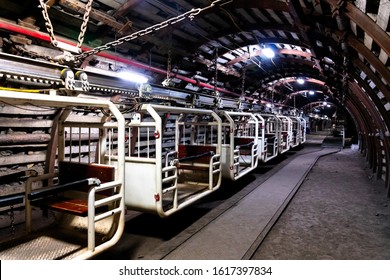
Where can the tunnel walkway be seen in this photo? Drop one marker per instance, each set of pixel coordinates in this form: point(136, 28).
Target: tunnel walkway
point(340, 212)
point(338, 197)
point(237, 232)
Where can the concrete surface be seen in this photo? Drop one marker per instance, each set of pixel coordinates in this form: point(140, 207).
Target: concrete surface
point(233, 234)
point(340, 212)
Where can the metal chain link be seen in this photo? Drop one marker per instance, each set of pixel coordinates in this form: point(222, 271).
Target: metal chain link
point(84, 25)
point(190, 15)
point(49, 26)
point(50, 29)
point(216, 71)
point(169, 66)
point(243, 82)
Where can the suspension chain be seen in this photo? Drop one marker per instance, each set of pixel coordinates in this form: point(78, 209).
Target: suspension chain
point(49, 26)
point(243, 82)
point(167, 81)
point(88, 9)
point(190, 15)
point(216, 71)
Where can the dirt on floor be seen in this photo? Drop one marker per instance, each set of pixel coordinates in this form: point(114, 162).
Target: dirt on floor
point(340, 212)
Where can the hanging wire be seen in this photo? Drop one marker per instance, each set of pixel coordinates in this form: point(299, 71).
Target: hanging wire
point(216, 72)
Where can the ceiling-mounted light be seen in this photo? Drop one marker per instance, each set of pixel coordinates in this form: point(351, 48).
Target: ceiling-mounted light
point(268, 52)
point(311, 92)
point(324, 103)
point(300, 81)
point(268, 105)
point(132, 77)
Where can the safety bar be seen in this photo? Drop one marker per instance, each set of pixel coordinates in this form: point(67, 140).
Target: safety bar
point(11, 199)
point(47, 191)
point(245, 145)
point(93, 204)
point(189, 158)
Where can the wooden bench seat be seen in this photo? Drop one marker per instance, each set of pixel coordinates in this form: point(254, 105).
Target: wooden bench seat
point(270, 136)
point(72, 177)
point(73, 206)
point(195, 157)
point(244, 145)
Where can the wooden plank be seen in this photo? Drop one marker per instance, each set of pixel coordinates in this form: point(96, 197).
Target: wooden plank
point(25, 122)
point(22, 159)
point(11, 139)
point(25, 110)
point(71, 206)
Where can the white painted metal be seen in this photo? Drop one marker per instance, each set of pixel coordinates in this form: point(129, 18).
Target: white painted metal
point(113, 226)
point(272, 136)
point(296, 131)
point(239, 127)
point(262, 153)
point(155, 181)
point(303, 129)
point(286, 133)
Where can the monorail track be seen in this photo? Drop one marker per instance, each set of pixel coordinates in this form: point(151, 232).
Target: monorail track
point(44, 74)
point(194, 233)
point(184, 146)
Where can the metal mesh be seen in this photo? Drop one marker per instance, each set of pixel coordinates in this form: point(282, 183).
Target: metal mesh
point(44, 247)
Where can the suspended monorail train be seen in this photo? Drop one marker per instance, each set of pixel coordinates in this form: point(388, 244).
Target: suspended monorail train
point(155, 154)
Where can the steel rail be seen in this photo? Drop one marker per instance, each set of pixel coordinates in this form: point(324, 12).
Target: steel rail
point(48, 75)
point(11, 27)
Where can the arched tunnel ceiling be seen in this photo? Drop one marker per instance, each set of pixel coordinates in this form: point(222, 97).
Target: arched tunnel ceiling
point(331, 44)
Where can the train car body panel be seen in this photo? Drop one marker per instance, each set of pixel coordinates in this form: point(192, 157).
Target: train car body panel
point(272, 136)
point(88, 197)
point(261, 140)
point(296, 127)
point(303, 129)
point(173, 158)
point(240, 150)
point(286, 133)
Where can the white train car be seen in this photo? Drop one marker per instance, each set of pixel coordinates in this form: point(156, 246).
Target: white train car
point(286, 133)
point(83, 188)
point(272, 136)
point(172, 158)
point(240, 144)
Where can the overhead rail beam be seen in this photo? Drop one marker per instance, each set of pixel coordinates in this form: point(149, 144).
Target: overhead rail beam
point(5, 25)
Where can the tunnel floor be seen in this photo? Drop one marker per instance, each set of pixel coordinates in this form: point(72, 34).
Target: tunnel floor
point(340, 212)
